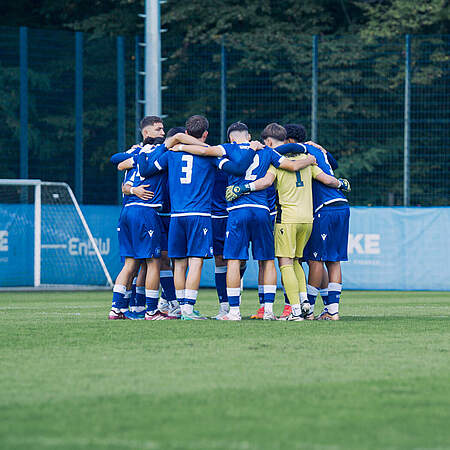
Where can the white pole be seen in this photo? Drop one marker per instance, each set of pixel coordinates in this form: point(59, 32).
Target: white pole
point(152, 58)
point(37, 235)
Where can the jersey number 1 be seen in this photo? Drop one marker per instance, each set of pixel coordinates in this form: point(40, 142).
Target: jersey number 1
point(187, 169)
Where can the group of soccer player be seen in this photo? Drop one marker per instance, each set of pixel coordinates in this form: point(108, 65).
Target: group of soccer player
point(185, 201)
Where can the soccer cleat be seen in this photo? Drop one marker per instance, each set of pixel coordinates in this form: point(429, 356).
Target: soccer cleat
point(116, 315)
point(155, 315)
point(325, 311)
point(230, 317)
point(193, 316)
point(286, 311)
point(309, 316)
point(327, 316)
point(174, 313)
point(163, 306)
point(269, 316)
point(293, 318)
point(259, 314)
point(131, 315)
point(222, 313)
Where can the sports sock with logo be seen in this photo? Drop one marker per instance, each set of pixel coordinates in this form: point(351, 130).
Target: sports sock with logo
point(334, 294)
point(118, 300)
point(221, 283)
point(324, 295)
point(151, 298)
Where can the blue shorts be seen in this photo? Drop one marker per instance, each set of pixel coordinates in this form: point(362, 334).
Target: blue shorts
point(329, 237)
point(247, 225)
point(139, 231)
point(165, 222)
point(219, 228)
point(190, 236)
point(273, 216)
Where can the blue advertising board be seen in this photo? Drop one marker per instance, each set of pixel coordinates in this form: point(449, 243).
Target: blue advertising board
point(389, 248)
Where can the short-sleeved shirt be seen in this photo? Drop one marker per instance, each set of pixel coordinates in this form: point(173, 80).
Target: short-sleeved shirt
point(295, 193)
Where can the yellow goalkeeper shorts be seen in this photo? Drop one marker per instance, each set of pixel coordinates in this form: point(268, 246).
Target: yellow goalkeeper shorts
point(291, 238)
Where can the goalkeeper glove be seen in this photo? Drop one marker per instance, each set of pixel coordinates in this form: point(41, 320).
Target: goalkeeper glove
point(344, 185)
point(236, 190)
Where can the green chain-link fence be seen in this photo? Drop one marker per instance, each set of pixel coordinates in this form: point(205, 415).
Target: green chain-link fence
point(382, 108)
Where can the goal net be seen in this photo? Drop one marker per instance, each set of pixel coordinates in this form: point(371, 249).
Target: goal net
point(39, 223)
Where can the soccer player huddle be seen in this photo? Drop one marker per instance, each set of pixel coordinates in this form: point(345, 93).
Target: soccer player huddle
point(184, 201)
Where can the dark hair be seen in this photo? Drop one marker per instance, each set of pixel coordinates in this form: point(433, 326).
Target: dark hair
point(149, 120)
point(196, 126)
point(296, 132)
point(153, 141)
point(275, 131)
point(237, 126)
point(175, 130)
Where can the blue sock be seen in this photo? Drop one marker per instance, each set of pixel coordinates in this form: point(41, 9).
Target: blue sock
point(313, 292)
point(118, 299)
point(324, 295)
point(233, 295)
point(151, 298)
point(221, 283)
point(269, 293)
point(166, 280)
point(133, 291)
point(261, 294)
point(140, 296)
point(334, 294)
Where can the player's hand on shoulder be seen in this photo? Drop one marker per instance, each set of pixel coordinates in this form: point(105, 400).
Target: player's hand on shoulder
point(142, 193)
point(256, 145)
point(176, 148)
point(314, 144)
point(344, 185)
point(311, 159)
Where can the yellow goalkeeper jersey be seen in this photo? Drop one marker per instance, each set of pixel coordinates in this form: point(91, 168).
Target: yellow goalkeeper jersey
point(295, 193)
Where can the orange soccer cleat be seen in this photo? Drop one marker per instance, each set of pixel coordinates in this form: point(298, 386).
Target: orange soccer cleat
point(286, 311)
point(259, 314)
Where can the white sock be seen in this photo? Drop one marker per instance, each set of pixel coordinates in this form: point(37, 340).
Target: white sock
point(296, 309)
point(268, 308)
point(333, 308)
point(234, 310)
point(303, 296)
point(224, 306)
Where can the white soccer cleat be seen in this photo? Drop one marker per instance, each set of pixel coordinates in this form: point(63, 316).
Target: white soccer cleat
point(269, 316)
point(221, 314)
point(293, 318)
point(230, 317)
point(163, 305)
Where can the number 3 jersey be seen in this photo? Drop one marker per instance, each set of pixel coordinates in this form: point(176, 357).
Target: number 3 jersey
point(191, 181)
point(258, 168)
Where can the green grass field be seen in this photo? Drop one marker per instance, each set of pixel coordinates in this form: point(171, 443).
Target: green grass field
point(377, 379)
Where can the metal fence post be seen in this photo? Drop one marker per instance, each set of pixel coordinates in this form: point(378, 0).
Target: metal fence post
point(120, 108)
point(314, 89)
point(223, 92)
point(23, 171)
point(137, 91)
point(79, 116)
point(407, 121)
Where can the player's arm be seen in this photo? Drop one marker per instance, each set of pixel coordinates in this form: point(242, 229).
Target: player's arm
point(236, 190)
point(295, 165)
point(199, 149)
point(152, 165)
point(139, 191)
point(238, 163)
point(328, 180)
point(182, 138)
point(292, 147)
point(126, 164)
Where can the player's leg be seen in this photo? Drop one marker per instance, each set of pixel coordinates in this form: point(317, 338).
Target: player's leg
point(168, 303)
point(220, 276)
point(334, 289)
point(195, 265)
point(119, 302)
point(152, 290)
point(233, 290)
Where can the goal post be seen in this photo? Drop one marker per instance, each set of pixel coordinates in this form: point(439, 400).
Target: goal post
point(51, 210)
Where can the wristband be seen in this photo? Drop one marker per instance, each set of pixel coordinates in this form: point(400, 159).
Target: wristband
point(132, 190)
point(181, 147)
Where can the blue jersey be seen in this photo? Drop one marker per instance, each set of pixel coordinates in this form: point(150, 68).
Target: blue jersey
point(130, 174)
point(219, 204)
point(262, 159)
point(155, 182)
point(191, 181)
point(323, 195)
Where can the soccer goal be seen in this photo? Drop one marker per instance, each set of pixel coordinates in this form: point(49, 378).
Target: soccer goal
point(39, 222)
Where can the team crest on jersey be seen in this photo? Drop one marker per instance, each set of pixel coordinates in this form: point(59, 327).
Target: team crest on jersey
point(324, 236)
point(150, 232)
point(205, 230)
